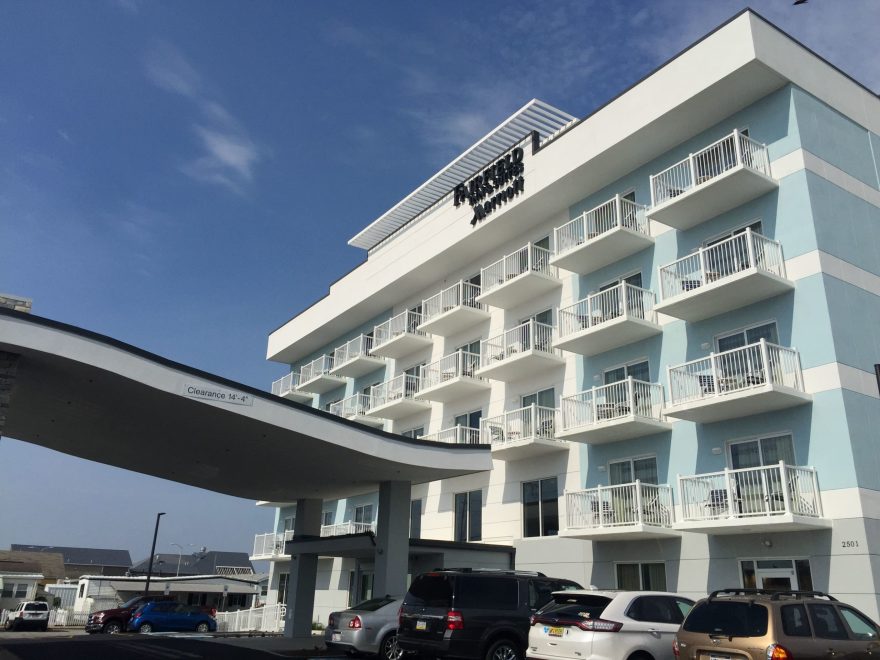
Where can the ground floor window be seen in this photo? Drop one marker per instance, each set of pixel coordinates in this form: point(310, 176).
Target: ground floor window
point(641, 576)
point(469, 516)
point(540, 501)
point(777, 574)
point(282, 587)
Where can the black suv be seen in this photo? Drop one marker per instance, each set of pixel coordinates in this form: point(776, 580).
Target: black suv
point(474, 614)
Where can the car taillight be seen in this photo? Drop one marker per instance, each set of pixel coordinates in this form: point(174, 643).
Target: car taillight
point(675, 650)
point(454, 620)
point(778, 652)
point(599, 625)
point(532, 620)
point(355, 622)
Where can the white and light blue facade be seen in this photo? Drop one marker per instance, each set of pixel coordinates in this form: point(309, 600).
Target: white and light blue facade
point(678, 386)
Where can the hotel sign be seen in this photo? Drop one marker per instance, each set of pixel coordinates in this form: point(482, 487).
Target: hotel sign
point(493, 187)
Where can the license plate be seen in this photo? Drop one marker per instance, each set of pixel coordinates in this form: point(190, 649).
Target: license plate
point(336, 637)
point(719, 657)
point(555, 631)
point(421, 625)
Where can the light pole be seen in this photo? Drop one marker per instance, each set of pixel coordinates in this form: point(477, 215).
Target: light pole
point(179, 555)
point(152, 553)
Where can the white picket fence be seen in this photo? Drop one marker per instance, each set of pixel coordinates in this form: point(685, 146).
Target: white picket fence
point(60, 618)
point(269, 618)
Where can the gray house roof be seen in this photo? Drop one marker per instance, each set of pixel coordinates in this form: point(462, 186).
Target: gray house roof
point(82, 556)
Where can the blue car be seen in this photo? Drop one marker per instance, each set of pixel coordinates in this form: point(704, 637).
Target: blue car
point(171, 617)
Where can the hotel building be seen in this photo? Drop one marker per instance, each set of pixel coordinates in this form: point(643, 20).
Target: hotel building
point(663, 318)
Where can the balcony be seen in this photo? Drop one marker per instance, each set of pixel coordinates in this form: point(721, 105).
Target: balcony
point(623, 512)
point(455, 435)
point(753, 379)
point(619, 411)
point(608, 319)
point(395, 398)
point(523, 433)
point(353, 358)
point(724, 175)
point(286, 387)
point(771, 498)
point(271, 545)
point(736, 272)
point(607, 233)
point(452, 377)
point(355, 408)
point(341, 529)
point(316, 378)
point(518, 277)
point(399, 336)
point(518, 353)
point(453, 310)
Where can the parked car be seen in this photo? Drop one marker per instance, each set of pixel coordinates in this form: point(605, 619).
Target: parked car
point(752, 624)
point(474, 614)
point(162, 616)
point(611, 625)
point(368, 627)
point(115, 620)
point(29, 614)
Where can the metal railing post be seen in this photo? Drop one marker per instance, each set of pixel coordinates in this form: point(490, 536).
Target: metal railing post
point(786, 494)
point(702, 257)
point(630, 394)
point(692, 168)
point(737, 147)
point(599, 507)
point(618, 209)
point(638, 510)
point(669, 382)
point(750, 248)
point(594, 408)
point(653, 197)
point(816, 494)
point(765, 359)
point(729, 485)
point(681, 497)
point(716, 384)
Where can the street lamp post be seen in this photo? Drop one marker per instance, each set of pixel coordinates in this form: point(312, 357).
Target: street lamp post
point(152, 553)
point(179, 555)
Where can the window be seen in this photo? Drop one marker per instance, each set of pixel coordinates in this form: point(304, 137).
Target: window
point(289, 523)
point(762, 451)
point(635, 279)
point(415, 519)
point(747, 336)
point(472, 347)
point(413, 320)
point(540, 501)
point(411, 385)
point(469, 420)
point(330, 403)
point(860, 628)
point(470, 363)
point(627, 471)
point(827, 624)
point(21, 590)
point(659, 609)
point(327, 517)
point(414, 433)
point(754, 226)
point(8, 588)
point(82, 590)
point(487, 593)
point(469, 516)
point(283, 579)
point(363, 513)
point(636, 370)
point(794, 621)
point(543, 243)
point(545, 398)
point(366, 586)
point(648, 576)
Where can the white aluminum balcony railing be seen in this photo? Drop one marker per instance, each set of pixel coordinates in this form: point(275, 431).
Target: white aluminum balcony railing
point(607, 305)
point(358, 347)
point(530, 335)
point(455, 365)
point(285, 384)
point(751, 493)
point(613, 214)
point(728, 257)
point(271, 544)
point(727, 153)
point(623, 505)
point(353, 406)
point(404, 323)
point(403, 386)
point(462, 293)
point(350, 527)
point(530, 423)
point(315, 368)
point(610, 402)
point(455, 435)
point(736, 370)
point(526, 259)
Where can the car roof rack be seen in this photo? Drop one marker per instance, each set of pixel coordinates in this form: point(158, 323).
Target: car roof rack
point(494, 571)
point(774, 594)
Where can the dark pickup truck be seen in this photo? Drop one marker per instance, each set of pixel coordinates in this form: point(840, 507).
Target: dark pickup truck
point(115, 620)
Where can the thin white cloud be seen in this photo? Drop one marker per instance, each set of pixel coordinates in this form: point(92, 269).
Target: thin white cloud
point(64, 136)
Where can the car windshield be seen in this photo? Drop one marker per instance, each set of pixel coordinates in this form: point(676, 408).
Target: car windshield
point(579, 605)
point(727, 619)
point(130, 603)
point(430, 590)
point(372, 605)
point(36, 607)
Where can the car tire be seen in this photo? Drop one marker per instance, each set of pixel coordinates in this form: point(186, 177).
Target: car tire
point(146, 628)
point(112, 628)
point(505, 649)
point(203, 627)
point(389, 649)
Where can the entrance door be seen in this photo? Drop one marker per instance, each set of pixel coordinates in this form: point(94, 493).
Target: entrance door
point(776, 575)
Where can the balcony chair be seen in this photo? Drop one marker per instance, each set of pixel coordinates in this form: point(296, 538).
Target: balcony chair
point(654, 512)
point(706, 383)
point(717, 503)
point(605, 516)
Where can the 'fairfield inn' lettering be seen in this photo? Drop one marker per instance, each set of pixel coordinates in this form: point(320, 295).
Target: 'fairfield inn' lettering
point(504, 178)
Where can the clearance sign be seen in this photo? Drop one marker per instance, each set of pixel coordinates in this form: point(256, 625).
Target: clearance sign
point(493, 187)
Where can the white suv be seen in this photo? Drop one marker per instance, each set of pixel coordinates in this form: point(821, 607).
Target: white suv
point(29, 614)
point(607, 625)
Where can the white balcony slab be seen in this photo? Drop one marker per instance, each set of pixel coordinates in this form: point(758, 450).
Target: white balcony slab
point(367, 420)
point(399, 408)
point(630, 532)
point(519, 289)
point(604, 249)
point(713, 197)
point(296, 395)
point(783, 522)
point(520, 364)
point(358, 366)
point(453, 388)
point(321, 384)
point(740, 403)
point(722, 295)
point(613, 430)
point(402, 345)
point(454, 320)
point(515, 449)
point(607, 335)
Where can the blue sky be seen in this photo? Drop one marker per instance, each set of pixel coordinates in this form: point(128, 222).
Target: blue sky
point(184, 176)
